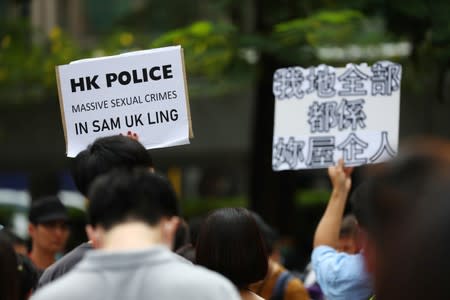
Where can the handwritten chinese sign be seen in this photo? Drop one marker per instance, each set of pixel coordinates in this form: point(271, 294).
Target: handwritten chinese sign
point(323, 114)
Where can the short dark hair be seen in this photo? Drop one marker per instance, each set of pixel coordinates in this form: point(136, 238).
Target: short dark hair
point(105, 154)
point(230, 243)
point(130, 194)
point(349, 226)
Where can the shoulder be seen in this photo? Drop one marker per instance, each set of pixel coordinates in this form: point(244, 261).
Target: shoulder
point(332, 260)
point(340, 273)
point(64, 264)
point(296, 290)
point(66, 286)
point(198, 275)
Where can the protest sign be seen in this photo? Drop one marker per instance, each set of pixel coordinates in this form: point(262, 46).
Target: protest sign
point(323, 114)
point(143, 92)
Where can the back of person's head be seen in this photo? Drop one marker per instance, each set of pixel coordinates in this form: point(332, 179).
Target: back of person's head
point(9, 277)
point(348, 235)
point(230, 243)
point(388, 203)
point(349, 226)
point(415, 263)
point(105, 154)
point(130, 195)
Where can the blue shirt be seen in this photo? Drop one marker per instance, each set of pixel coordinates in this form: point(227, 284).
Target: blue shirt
point(341, 276)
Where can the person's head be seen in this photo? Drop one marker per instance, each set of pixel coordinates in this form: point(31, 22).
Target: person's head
point(106, 154)
point(132, 196)
point(230, 243)
point(9, 277)
point(416, 265)
point(348, 235)
point(48, 226)
point(392, 194)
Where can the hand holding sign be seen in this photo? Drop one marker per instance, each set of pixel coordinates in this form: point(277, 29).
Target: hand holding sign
point(144, 92)
point(340, 176)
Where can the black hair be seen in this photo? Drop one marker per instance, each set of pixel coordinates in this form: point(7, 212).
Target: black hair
point(28, 275)
point(269, 235)
point(130, 194)
point(417, 253)
point(13, 238)
point(105, 154)
point(194, 228)
point(404, 208)
point(349, 226)
point(230, 243)
point(9, 276)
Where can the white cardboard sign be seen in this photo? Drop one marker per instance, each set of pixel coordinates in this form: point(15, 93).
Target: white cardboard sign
point(323, 114)
point(143, 92)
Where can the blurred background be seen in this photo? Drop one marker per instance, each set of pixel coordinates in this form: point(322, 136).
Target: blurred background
point(231, 50)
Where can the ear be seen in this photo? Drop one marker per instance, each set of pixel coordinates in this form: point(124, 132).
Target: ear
point(31, 229)
point(94, 235)
point(169, 227)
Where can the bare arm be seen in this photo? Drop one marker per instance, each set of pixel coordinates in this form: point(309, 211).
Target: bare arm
point(327, 232)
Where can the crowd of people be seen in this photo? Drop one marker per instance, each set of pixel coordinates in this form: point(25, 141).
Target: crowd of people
point(392, 246)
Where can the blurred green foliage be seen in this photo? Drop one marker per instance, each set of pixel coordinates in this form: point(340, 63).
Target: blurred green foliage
point(27, 69)
point(222, 51)
point(311, 197)
point(209, 48)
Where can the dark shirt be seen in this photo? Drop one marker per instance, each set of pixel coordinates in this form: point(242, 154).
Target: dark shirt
point(64, 264)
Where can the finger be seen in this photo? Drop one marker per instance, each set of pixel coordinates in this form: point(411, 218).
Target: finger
point(340, 163)
point(348, 170)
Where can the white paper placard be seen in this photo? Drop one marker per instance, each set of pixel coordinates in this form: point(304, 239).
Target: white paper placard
point(143, 92)
point(323, 114)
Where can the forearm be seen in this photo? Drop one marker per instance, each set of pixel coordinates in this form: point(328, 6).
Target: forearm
point(327, 232)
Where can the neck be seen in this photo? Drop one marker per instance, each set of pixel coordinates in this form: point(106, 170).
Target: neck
point(41, 258)
point(129, 236)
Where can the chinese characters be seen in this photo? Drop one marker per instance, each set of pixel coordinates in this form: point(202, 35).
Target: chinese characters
point(328, 113)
